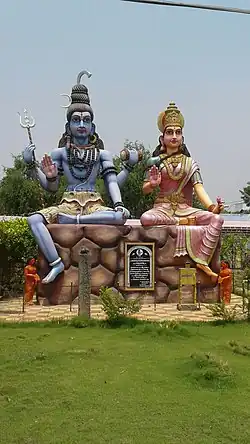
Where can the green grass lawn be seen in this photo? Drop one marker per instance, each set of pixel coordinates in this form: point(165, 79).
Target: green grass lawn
point(63, 385)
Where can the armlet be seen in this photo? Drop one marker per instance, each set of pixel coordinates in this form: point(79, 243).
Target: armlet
point(196, 178)
point(108, 170)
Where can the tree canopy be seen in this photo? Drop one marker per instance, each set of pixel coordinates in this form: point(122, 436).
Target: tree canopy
point(21, 194)
point(245, 194)
point(133, 198)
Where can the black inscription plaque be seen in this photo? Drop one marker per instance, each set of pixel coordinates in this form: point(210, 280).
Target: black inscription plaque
point(139, 266)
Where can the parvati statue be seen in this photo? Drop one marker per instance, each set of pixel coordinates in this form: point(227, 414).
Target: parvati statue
point(177, 175)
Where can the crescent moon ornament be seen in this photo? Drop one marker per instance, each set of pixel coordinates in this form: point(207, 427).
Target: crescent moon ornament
point(69, 99)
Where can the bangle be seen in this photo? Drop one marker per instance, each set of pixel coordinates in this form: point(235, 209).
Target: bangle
point(211, 208)
point(118, 204)
point(51, 179)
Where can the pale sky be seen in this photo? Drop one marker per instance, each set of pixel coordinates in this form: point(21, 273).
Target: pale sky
point(141, 57)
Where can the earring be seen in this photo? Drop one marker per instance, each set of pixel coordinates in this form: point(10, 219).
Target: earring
point(67, 129)
point(92, 138)
point(68, 142)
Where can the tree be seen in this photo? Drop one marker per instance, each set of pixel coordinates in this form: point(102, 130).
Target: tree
point(21, 195)
point(133, 198)
point(245, 194)
point(235, 250)
point(17, 245)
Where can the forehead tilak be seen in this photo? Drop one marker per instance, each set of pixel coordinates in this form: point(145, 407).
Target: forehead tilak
point(81, 114)
point(174, 128)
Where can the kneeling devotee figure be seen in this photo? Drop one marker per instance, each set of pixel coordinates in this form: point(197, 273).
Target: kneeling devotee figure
point(177, 175)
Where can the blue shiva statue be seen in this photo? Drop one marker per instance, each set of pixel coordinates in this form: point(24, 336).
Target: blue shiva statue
point(80, 157)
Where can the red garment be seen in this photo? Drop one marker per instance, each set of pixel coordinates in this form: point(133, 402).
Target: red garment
point(225, 281)
point(31, 281)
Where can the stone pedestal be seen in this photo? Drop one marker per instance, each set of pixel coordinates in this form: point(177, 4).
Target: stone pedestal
point(106, 246)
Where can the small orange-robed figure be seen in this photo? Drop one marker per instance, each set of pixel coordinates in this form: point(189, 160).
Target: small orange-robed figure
point(225, 281)
point(31, 281)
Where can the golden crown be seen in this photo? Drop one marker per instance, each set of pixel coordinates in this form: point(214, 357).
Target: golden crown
point(170, 117)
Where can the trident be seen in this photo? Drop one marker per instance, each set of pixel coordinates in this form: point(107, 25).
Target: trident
point(28, 123)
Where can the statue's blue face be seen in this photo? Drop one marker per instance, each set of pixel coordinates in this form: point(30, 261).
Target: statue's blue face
point(81, 125)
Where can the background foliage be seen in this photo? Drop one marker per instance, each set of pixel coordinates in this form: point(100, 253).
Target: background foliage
point(17, 245)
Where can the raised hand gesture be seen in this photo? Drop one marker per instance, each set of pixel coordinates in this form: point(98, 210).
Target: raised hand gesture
point(154, 177)
point(49, 167)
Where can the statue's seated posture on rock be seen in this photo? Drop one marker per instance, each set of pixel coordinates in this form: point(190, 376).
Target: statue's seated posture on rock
point(80, 157)
point(177, 175)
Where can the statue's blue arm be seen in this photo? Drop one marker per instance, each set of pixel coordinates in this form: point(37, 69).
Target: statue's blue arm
point(122, 177)
point(110, 176)
point(127, 167)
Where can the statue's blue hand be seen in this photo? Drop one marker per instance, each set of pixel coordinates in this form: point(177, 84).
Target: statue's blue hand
point(131, 156)
point(28, 154)
point(134, 156)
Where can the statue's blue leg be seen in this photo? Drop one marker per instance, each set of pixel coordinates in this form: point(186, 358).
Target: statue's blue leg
point(46, 245)
point(98, 218)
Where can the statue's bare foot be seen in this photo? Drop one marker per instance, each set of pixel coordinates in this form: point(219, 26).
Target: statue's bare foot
point(55, 271)
point(208, 271)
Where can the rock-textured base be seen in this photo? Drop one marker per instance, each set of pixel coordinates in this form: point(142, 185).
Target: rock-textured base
point(106, 246)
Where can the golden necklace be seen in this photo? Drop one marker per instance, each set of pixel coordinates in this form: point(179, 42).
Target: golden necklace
point(173, 161)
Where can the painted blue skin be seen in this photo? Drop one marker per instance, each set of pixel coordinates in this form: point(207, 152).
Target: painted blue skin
point(81, 127)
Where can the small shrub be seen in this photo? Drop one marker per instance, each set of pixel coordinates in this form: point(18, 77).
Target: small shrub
point(40, 357)
point(82, 322)
point(125, 322)
point(224, 312)
point(165, 328)
point(210, 371)
point(83, 353)
point(116, 307)
point(239, 349)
